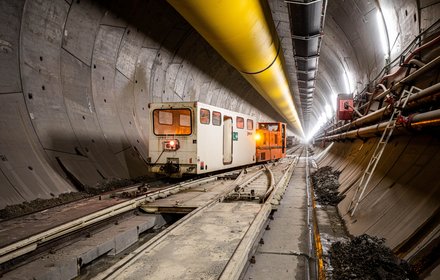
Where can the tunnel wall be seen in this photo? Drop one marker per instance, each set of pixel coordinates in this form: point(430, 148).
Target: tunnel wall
point(402, 200)
point(75, 83)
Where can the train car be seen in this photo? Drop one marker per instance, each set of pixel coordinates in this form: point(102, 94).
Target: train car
point(291, 141)
point(188, 138)
point(271, 141)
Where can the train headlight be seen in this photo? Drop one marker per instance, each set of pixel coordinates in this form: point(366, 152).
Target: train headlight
point(171, 145)
point(257, 136)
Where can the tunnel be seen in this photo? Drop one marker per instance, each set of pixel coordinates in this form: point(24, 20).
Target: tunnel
point(77, 78)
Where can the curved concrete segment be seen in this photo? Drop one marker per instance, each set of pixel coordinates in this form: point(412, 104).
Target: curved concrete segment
point(401, 202)
point(76, 80)
point(76, 77)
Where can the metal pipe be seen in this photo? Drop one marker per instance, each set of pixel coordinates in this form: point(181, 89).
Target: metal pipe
point(424, 93)
point(376, 115)
point(412, 54)
point(354, 109)
point(411, 77)
point(427, 56)
point(244, 33)
point(423, 117)
point(417, 62)
point(427, 119)
point(382, 86)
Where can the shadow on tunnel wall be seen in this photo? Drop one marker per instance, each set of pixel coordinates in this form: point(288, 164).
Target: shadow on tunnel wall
point(169, 31)
point(97, 163)
point(80, 76)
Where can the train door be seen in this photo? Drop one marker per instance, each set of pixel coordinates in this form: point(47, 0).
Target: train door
point(227, 140)
point(283, 138)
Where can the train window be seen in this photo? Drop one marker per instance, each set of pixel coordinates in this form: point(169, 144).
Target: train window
point(250, 124)
point(240, 122)
point(205, 116)
point(185, 120)
point(216, 118)
point(273, 127)
point(165, 117)
point(172, 121)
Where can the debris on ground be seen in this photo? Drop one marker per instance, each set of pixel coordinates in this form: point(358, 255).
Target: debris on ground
point(27, 207)
point(11, 211)
point(108, 185)
point(326, 184)
point(367, 257)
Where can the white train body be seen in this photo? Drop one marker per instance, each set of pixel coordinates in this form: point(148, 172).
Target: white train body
point(197, 138)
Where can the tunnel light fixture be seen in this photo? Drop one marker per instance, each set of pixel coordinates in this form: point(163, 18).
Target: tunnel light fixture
point(328, 111)
point(347, 77)
point(383, 37)
point(318, 124)
point(334, 100)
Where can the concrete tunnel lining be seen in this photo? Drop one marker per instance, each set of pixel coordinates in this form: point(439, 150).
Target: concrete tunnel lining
point(77, 76)
point(87, 77)
point(401, 198)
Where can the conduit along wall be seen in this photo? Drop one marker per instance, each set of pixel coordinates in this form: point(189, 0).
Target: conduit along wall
point(402, 200)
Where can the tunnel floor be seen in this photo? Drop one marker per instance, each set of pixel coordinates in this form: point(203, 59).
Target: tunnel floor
point(296, 239)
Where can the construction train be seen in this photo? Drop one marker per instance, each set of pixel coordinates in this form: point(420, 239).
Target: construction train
point(189, 138)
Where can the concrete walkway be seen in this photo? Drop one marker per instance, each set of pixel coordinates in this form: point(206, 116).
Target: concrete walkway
point(283, 254)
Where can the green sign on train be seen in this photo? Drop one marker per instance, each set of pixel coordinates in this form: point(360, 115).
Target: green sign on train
point(235, 136)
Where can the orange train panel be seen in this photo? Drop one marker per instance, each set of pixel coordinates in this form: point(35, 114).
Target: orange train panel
point(271, 141)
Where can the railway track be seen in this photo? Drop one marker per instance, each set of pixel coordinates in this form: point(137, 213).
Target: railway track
point(214, 239)
point(257, 189)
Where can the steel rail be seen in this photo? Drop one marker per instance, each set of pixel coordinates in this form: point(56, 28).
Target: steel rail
point(237, 263)
point(29, 244)
point(240, 257)
point(114, 271)
point(271, 186)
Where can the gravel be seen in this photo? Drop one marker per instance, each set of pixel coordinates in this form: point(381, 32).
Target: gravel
point(326, 184)
point(27, 207)
point(366, 257)
point(11, 211)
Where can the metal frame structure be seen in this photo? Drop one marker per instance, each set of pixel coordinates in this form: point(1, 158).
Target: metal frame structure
point(306, 34)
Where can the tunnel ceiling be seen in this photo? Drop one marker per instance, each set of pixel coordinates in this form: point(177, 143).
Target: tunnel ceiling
point(333, 47)
point(350, 53)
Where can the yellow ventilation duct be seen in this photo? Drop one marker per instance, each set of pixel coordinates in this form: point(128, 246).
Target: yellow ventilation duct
point(242, 31)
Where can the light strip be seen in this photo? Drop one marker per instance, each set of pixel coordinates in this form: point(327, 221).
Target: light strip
point(382, 33)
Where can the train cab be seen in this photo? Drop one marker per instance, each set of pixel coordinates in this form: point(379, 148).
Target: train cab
point(188, 138)
point(270, 141)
